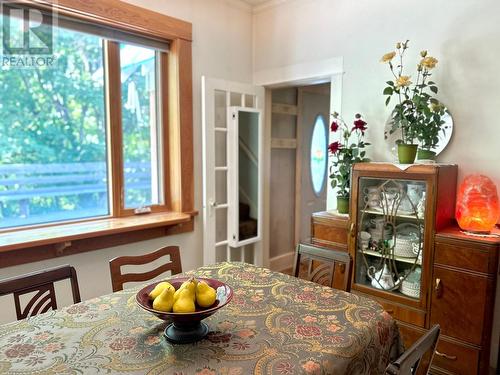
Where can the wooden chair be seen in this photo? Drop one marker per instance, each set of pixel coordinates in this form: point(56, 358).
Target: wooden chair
point(330, 261)
point(41, 282)
point(410, 362)
point(118, 279)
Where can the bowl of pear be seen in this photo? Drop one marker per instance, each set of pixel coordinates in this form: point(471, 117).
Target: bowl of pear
point(185, 302)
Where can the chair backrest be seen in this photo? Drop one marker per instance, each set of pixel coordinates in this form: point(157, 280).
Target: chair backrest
point(411, 362)
point(41, 282)
point(118, 279)
point(329, 261)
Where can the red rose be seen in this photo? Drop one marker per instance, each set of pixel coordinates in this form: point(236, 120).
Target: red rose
point(334, 147)
point(359, 125)
point(334, 126)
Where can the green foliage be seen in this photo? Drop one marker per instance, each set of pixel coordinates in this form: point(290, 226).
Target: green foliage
point(417, 113)
point(57, 115)
point(346, 152)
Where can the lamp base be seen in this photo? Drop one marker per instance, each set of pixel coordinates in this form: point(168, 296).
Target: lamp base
point(483, 234)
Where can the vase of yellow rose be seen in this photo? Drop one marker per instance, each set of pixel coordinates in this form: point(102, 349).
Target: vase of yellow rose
point(416, 112)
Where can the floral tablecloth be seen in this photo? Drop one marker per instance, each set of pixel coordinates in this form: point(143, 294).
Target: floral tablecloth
point(275, 324)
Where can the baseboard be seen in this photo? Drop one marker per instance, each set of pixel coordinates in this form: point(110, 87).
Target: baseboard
point(282, 262)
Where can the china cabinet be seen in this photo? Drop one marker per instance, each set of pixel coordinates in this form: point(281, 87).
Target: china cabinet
point(410, 256)
point(414, 260)
point(394, 215)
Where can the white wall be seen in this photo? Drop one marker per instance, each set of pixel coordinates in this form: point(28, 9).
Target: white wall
point(222, 40)
point(462, 34)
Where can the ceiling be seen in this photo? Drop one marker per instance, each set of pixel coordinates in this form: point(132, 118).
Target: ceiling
point(255, 2)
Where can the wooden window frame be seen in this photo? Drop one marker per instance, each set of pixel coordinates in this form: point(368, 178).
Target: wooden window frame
point(177, 213)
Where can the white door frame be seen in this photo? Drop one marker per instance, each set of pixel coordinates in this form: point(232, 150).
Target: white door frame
point(328, 70)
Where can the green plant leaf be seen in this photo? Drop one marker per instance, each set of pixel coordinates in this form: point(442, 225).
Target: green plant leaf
point(387, 101)
point(390, 83)
point(388, 91)
point(434, 89)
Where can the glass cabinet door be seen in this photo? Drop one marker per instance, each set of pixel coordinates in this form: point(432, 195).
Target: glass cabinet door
point(390, 235)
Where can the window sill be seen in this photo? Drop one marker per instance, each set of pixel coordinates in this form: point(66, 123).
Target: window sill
point(66, 239)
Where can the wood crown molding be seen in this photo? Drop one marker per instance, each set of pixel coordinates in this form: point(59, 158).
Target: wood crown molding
point(120, 15)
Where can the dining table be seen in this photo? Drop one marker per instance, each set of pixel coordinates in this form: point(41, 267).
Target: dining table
point(275, 324)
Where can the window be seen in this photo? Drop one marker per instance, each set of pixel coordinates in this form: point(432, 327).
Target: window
point(87, 137)
point(318, 164)
point(140, 119)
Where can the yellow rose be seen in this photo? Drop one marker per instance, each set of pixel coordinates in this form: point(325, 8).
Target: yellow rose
point(429, 62)
point(403, 81)
point(388, 57)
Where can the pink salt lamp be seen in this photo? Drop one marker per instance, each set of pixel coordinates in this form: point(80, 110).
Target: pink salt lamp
point(477, 207)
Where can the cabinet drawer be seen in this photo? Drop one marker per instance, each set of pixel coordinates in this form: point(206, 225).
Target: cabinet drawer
point(455, 358)
point(475, 258)
point(329, 236)
point(458, 304)
point(399, 312)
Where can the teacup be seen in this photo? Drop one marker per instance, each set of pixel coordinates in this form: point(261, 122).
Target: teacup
point(371, 190)
point(364, 239)
point(373, 203)
point(378, 223)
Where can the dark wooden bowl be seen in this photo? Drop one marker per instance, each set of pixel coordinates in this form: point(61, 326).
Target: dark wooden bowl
point(186, 327)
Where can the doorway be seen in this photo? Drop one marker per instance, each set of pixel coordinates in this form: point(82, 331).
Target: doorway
point(298, 167)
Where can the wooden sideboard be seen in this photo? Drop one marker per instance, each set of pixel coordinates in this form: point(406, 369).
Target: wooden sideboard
point(462, 294)
point(329, 229)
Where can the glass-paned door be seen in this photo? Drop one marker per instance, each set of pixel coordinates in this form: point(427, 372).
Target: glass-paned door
point(390, 237)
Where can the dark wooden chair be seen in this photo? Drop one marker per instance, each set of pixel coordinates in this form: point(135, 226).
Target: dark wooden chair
point(41, 282)
point(322, 264)
point(417, 359)
point(118, 279)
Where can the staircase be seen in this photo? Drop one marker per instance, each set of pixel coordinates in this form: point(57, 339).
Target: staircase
point(248, 226)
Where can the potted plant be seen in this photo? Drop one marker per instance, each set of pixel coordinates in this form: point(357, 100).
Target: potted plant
point(429, 134)
point(417, 113)
point(349, 149)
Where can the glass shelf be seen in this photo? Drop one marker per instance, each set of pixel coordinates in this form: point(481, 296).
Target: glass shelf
point(405, 216)
point(396, 258)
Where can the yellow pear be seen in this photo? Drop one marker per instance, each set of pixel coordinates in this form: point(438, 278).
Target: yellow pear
point(190, 285)
point(205, 294)
point(184, 302)
point(160, 287)
point(165, 300)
